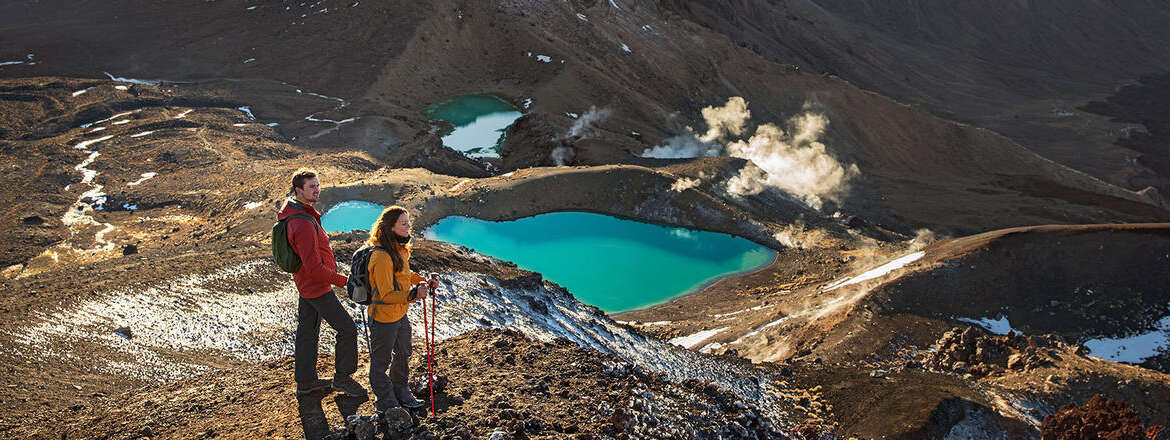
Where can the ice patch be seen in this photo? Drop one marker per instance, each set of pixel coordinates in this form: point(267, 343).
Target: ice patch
point(1133, 349)
point(145, 177)
point(999, 326)
point(572, 115)
point(129, 207)
point(249, 59)
point(122, 88)
point(690, 341)
point(626, 48)
point(877, 272)
point(582, 17)
point(251, 8)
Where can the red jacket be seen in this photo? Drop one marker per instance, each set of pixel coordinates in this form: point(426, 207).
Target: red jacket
point(318, 267)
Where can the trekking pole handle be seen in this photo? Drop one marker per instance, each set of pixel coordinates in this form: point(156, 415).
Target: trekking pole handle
point(432, 281)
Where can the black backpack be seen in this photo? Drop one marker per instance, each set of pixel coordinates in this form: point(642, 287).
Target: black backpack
point(359, 287)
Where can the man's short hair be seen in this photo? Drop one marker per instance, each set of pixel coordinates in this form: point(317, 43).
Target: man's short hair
point(299, 178)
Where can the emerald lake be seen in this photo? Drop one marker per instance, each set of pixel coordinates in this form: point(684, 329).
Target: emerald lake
point(479, 123)
point(608, 262)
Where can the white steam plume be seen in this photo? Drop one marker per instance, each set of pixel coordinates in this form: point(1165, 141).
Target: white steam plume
point(684, 184)
point(795, 162)
point(797, 237)
point(584, 128)
point(922, 237)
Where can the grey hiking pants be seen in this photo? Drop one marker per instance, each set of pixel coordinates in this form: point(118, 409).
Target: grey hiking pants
point(310, 312)
point(389, 347)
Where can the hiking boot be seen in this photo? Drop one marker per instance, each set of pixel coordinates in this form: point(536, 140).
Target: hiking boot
point(406, 398)
point(305, 388)
point(396, 420)
point(346, 385)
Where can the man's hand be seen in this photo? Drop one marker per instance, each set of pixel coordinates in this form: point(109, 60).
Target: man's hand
point(434, 282)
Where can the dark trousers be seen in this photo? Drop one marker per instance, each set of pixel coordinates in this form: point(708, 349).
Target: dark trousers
point(310, 312)
point(389, 347)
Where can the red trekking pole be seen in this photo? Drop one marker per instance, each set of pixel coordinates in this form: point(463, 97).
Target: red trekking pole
point(429, 340)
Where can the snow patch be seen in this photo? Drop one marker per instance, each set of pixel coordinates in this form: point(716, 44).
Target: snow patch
point(116, 116)
point(999, 326)
point(145, 177)
point(248, 111)
point(877, 272)
point(85, 144)
point(692, 340)
point(253, 205)
point(760, 329)
point(136, 135)
point(144, 82)
point(81, 92)
point(1133, 349)
point(752, 309)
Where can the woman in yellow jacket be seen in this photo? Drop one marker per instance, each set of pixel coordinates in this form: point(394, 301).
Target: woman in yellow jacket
point(391, 280)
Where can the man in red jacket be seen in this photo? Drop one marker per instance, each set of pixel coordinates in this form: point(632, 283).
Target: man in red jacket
point(314, 280)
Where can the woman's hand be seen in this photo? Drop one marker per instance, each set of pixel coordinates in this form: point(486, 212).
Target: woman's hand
point(422, 290)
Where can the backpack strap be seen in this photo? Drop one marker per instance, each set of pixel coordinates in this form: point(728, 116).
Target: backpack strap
point(312, 220)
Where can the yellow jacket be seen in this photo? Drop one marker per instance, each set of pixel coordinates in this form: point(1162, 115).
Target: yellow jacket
point(381, 280)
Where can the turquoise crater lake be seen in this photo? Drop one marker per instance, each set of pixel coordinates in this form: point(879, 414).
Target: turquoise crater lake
point(612, 263)
point(479, 123)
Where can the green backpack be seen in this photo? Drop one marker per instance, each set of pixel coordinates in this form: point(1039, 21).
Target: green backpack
point(282, 251)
